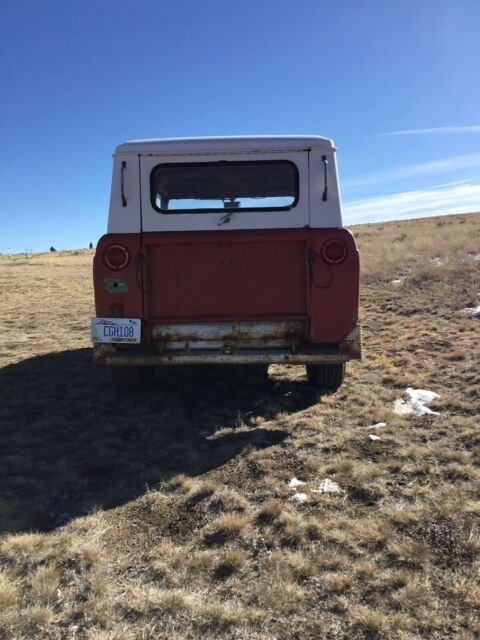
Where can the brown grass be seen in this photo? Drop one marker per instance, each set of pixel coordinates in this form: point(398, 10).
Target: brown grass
point(168, 515)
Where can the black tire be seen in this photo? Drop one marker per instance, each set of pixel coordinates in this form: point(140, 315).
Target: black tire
point(132, 380)
point(328, 377)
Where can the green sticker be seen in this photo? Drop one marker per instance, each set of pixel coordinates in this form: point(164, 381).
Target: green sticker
point(115, 285)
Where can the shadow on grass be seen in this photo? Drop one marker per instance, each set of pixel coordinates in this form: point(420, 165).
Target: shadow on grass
point(69, 443)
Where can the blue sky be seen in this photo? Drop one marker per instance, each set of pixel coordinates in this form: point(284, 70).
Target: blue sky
point(395, 84)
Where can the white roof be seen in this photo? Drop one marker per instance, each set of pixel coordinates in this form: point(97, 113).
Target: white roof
point(221, 144)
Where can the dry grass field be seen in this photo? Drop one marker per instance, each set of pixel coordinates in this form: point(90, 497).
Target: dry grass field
point(168, 515)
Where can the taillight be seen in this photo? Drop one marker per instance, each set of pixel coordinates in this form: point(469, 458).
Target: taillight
point(116, 257)
point(334, 251)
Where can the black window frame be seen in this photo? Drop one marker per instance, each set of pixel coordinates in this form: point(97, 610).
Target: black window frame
point(225, 210)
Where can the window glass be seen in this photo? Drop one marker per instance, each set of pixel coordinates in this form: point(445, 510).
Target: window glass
point(204, 186)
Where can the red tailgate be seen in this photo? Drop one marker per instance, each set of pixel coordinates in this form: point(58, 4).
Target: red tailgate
point(222, 275)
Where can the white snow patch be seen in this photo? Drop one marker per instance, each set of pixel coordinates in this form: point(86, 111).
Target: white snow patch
point(328, 486)
point(473, 311)
point(414, 401)
point(379, 425)
point(400, 407)
point(419, 395)
point(372, 437)
point(299, 497)
point(295, 482)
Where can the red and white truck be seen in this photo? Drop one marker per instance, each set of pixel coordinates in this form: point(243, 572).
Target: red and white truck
point(226, 250)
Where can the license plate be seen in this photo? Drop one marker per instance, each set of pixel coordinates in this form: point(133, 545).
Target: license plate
point(117, 330)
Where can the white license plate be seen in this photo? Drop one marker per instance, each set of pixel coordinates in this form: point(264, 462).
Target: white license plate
point(118, 330)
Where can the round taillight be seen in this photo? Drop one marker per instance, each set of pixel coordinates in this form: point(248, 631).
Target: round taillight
point(334, 251)
point(116, 257)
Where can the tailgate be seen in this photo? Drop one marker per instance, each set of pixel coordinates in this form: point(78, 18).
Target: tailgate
point(225, 275)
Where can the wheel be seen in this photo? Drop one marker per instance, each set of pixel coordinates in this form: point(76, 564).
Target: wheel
point(131, 380)
point(328, 377)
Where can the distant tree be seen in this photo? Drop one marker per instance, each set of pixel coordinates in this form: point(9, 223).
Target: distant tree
point(52, 249)
point(90, 246)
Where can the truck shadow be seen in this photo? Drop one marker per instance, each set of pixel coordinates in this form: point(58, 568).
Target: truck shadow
point(69, 443)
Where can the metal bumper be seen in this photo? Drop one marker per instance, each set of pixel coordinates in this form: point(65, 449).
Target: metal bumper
point(348, 349)
point(250, 356)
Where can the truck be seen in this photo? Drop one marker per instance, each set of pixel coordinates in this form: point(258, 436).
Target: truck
point(226, 251)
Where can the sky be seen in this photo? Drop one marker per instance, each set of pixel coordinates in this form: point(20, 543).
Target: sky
point(394, 84)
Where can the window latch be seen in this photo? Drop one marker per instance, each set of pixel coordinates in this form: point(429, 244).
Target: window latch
point(226, 218)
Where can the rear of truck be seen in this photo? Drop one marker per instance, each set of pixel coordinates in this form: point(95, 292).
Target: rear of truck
point(224, 255)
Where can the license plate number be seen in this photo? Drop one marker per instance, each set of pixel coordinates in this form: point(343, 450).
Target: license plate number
point(116, 330)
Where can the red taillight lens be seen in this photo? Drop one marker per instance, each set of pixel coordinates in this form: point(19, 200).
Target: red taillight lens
point(334, 251)
point(116, 257)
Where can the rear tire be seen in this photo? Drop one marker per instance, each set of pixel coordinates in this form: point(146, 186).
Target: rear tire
point(328, 377)
point(132, 380)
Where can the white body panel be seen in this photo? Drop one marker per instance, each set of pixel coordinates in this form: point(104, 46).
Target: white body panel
point(296, 217)
point(307, 152)
point(125, 219)
point(328, 213)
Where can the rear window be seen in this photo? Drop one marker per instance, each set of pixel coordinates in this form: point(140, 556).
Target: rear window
point(210, 186)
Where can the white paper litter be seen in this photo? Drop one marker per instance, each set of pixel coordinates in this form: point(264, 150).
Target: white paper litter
point(372, 437)
point(397, 281)
point(328, 486)
point(299, 497)
point(414, 401)
point(473, 311)
point(379, 425)
point(295, 482)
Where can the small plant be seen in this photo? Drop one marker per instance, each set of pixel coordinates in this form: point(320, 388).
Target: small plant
point(52, 249)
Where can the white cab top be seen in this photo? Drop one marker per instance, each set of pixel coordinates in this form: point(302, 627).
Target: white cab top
point(132, 209)
point(220, 144)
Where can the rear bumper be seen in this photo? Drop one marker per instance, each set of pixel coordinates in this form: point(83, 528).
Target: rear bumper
point(348, 349)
